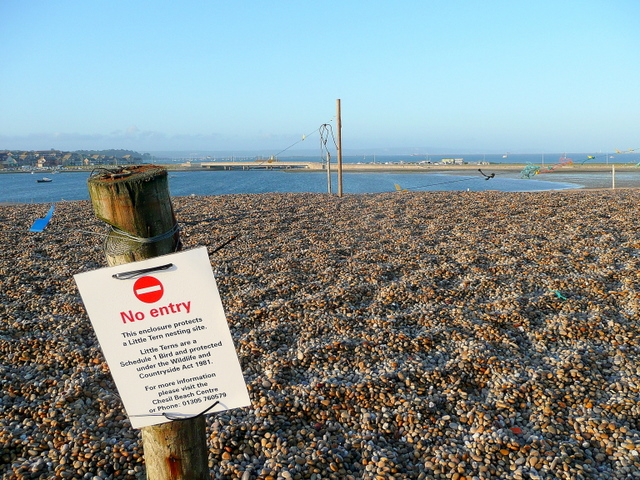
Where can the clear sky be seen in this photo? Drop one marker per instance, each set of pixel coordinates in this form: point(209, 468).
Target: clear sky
point(422, 76)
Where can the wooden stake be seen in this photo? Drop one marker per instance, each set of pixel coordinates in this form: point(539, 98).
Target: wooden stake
point(176, 450)
point(135, 200)
point(339, 128)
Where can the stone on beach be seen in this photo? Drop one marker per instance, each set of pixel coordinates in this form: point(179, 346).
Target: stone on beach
point(452, 335)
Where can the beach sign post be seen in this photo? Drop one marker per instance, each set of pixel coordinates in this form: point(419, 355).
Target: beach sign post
point(161, 310)
point(165, 337)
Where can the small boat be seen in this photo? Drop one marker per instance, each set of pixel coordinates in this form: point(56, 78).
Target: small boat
point(44, 180)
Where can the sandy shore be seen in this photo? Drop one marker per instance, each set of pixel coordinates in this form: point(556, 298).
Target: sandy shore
point(415, 335)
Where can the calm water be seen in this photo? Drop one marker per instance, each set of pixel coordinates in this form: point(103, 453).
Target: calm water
point(22, 188)
point(546, 159)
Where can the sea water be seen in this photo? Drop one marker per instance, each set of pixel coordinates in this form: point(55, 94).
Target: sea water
point(542, 159)
point(69, 186)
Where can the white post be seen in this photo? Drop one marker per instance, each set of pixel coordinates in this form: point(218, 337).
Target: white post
point(613, 176)
point(329, 172)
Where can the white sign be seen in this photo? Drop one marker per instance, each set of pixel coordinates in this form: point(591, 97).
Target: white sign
point(163, 331)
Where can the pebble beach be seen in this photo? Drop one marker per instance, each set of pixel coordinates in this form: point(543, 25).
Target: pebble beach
point(405, 335)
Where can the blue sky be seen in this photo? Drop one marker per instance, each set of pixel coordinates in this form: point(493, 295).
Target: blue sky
point(415, 76)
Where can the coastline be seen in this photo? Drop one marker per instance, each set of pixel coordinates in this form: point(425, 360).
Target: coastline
point(413, 335)
point(372, 167)
point(592, 176)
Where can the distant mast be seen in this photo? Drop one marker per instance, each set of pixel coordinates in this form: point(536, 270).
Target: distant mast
point(339, 139)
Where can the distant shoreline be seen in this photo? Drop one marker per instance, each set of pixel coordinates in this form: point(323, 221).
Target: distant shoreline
point(368, 167)
point(588, 177)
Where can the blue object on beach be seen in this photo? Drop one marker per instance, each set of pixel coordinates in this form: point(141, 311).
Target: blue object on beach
point(558, 294)
point(41, 223)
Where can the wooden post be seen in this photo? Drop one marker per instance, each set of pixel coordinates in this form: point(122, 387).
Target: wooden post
point(339, 128)
point(176, 450)
point(135, 201)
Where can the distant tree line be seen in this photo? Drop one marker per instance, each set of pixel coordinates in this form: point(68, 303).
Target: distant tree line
point(118, 153)
point(54, 158)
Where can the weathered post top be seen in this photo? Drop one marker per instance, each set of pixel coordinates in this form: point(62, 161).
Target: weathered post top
point(135, 201)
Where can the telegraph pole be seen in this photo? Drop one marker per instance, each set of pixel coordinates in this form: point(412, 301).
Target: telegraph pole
point(339, 128)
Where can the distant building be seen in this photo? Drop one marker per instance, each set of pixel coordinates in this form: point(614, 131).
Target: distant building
point(55, 158)
point(452, 161)
point(9, 162)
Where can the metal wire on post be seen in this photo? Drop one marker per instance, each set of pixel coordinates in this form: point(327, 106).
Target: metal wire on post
point(325, 131)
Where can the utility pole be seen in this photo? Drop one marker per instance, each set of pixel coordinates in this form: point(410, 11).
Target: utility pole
point(135, 201)
point(339, 128)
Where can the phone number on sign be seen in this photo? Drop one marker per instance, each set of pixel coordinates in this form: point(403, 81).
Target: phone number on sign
point(214, 396)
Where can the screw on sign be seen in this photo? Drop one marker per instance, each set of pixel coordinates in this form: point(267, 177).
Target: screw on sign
point(148, 289)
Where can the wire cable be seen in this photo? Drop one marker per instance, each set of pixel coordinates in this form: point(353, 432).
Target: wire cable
point(468, 179)
point(304, 137)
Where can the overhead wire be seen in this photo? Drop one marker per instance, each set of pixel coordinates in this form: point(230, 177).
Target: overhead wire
point(304, 137)
point(326, 130)
point(468, 179)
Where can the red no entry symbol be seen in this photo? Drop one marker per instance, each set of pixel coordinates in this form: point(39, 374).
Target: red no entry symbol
point(148, 289)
